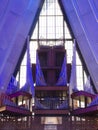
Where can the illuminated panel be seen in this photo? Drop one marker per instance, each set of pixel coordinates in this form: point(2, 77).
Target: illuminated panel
point(51, 120)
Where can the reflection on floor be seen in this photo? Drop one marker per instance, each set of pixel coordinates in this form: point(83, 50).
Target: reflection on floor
point(50, 127)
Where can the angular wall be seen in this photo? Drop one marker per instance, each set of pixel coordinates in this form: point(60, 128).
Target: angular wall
point(16, 19)
point(83, 19)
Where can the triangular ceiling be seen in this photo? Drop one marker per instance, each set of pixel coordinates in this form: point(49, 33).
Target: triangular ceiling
point(16, 24)
point(50, 30)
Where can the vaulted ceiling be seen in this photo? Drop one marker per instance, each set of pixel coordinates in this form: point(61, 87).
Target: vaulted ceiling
point(18, 19)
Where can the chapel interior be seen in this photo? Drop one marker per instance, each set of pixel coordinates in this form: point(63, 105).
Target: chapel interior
point(49, 65)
